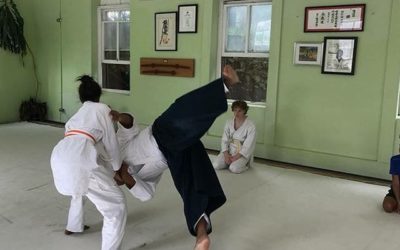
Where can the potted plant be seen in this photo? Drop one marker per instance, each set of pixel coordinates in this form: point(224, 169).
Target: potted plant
point(12, 39)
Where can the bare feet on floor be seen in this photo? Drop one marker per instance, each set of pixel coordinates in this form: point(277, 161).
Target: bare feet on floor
point(67, 232)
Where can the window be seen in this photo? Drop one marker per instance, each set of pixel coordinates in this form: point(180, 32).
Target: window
point(246, 30)
point(114, 49)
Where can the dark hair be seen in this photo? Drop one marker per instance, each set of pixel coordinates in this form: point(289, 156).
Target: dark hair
point(240, 104)
point(89, 89)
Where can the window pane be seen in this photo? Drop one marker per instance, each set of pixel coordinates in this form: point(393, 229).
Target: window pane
point(125, 15)
point(260, 28)
point(115, 76)
point(109, 15)
point(253, 74)
point(236, 29)
point(115, 15)
point(124, 34)
point(110, 41)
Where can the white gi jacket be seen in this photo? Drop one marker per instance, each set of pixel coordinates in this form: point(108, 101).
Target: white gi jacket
point(146, 162)
point(242, 140)
point(75, 158)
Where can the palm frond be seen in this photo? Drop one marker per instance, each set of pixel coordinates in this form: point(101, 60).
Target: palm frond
point(12, 28)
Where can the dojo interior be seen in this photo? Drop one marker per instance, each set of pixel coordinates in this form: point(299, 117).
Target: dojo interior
point(324, 139)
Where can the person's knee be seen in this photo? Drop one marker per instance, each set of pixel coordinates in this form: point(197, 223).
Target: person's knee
point(218, 165)
point(237, 169)
point(121, 208)
point(122, 213)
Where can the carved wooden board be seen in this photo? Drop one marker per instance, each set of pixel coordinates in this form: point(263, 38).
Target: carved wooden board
point(167, 67)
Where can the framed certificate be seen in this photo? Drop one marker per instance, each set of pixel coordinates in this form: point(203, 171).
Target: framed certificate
point(187, 18)
point(338, 18)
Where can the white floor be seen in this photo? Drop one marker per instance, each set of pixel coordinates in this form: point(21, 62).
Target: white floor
point(268, 207)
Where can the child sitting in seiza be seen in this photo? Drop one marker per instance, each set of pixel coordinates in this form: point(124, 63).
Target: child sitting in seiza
point(173, 141)
point(238, 141)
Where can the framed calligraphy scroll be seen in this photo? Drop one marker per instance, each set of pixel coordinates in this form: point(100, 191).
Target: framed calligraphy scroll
point(165, 31)
point(338, 18)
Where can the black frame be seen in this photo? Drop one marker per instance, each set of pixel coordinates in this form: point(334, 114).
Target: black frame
point(335, 7)
point(329, 57)
point(156, 41)
point(180, 18)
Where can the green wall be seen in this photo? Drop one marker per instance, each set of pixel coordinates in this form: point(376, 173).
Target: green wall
point(337, 122)
point(63, 51)
point(17, 83)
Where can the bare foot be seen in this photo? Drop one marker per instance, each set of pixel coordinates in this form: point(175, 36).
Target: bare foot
point(230, 75)
point(202, 239)
point(202, 243)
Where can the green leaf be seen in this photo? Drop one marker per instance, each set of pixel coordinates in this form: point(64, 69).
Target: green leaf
point(12, 28)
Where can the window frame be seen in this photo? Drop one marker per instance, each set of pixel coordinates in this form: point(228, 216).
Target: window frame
point(100, 43)
point(223, 23)
point(222, 42)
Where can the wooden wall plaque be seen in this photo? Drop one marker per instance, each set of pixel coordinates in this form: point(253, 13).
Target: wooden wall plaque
point(167, 67)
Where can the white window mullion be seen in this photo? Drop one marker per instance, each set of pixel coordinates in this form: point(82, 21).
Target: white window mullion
point(225, 34)
point(117, 46)
point(116, 62)
point(103, 57)
point(100, 37)
point(232, 54)
point(246, 50)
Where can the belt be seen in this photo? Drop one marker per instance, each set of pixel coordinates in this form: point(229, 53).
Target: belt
point(80, 132)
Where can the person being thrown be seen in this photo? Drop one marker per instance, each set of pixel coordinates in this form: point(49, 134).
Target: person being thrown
point(173, 141)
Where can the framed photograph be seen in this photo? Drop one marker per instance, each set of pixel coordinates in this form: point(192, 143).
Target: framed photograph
point(339, 55)
point(307, 53)
point(187, 18)
point(165, 31)
point(338, 18)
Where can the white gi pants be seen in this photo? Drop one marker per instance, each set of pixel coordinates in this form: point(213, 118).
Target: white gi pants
point(75, 215)
point(110, 202)
point(237, 167)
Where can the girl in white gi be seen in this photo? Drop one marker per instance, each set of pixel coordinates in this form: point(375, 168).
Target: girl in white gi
point(238, 141)
point(76, 168)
